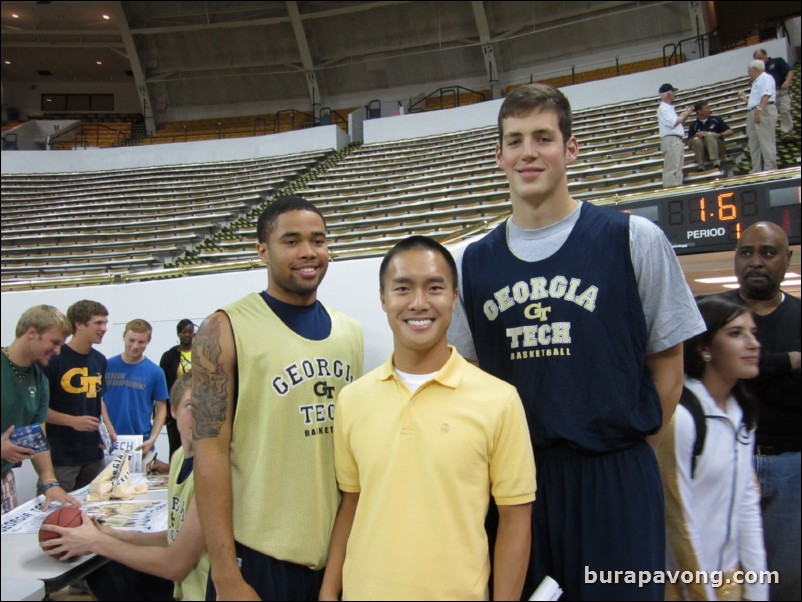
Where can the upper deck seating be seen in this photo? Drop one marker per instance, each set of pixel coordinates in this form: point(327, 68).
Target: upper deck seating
point(372, 195)
point(130, 219)
point(380, 193)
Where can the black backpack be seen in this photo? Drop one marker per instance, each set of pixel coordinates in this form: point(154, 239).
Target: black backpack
point(690, 402)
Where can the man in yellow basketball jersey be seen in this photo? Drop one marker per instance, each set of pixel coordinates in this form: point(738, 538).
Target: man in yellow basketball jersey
point(421, 444)
point(267, 370)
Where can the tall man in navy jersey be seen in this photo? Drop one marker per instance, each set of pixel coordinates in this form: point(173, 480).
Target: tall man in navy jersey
point(584, 309)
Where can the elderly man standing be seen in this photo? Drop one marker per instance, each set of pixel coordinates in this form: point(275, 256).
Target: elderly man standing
point(762, 118)
point(671, 136)
point(783, 75)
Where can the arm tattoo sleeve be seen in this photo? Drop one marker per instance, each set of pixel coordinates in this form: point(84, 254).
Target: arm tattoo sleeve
point(209, 380)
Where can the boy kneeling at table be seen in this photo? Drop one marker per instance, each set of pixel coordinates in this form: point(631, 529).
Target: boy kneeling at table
point(149, 566)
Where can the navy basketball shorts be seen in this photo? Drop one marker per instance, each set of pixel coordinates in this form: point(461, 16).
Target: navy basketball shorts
point(597, 523)
point(274, 579)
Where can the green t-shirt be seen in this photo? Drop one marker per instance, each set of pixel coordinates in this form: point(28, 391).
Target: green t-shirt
point(23, 403)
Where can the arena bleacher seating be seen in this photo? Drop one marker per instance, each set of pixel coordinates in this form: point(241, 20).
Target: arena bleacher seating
point(137, 219)
point(441, 185)
point(202, 217)
point(237, 127)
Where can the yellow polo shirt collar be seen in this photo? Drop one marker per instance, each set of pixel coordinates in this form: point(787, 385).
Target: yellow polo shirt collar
point(450, 375)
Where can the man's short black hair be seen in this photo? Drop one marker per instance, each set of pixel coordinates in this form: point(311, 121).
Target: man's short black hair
point(418, 242)
point(283, 204)
point(182, 324)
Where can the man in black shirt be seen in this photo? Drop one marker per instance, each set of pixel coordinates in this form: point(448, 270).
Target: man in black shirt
point(707, 133)
point(761, 260)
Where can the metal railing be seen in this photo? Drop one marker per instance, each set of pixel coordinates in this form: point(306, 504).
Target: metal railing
point(700, 43)
point(263, 122)
point(87, 134)
point(442, 93)
point(307, 119)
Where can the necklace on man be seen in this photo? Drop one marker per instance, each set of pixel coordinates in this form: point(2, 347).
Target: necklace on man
point(765, 311)
point(21, 376)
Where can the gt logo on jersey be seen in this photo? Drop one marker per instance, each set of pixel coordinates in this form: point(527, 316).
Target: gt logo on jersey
point(536, 312)
point(323, 389)
point(85, 383)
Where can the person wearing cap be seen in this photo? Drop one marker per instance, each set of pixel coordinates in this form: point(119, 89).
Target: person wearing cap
point(761, 118)
point(671, 135)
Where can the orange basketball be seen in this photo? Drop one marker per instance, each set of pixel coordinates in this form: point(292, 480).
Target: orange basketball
point(67, 516)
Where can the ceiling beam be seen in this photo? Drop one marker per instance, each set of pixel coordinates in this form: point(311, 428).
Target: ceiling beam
point(174, 74)
point(150, 31)
point(586, 11)
point(37, 33)
point(136, 67)
point(323, 14)
point(347, 10)
point(488, 51)
point(300, 34)
point(306, 55)
point(334, 61)
point(64, 44)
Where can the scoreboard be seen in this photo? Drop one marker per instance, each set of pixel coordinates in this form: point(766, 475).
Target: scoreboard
point(713, 220)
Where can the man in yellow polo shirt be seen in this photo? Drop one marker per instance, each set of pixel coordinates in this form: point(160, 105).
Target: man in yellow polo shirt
point(420, 445)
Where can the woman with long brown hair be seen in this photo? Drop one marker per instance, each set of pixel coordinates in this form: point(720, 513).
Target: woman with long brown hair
point(713, 518)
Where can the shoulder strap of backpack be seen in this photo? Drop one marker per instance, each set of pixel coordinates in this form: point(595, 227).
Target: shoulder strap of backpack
point(690, 402)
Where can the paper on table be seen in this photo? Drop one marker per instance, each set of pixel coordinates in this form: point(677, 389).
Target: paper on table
point(145, 515)
point(129, 443)
point(548, 589)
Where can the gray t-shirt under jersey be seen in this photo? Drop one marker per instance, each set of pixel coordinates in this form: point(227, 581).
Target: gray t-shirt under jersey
point(668, 305)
